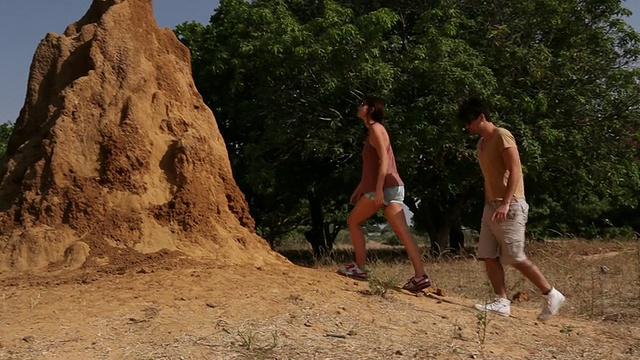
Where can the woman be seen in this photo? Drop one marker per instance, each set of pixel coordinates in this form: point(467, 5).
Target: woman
point(380, 187)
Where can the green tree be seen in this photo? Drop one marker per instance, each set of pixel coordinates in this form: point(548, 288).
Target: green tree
point(568, 90)
point(561, 77)
point(285, 83)
point(438, 71)
point(284, 78)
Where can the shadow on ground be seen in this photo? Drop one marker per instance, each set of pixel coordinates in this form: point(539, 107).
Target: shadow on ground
point(396, 254)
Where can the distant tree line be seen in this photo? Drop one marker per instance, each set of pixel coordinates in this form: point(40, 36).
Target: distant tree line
point(284, 79)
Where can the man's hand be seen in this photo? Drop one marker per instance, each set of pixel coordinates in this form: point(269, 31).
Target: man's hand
point(501, 213)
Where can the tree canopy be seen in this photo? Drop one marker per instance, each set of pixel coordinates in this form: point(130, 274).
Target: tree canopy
point(285, 77)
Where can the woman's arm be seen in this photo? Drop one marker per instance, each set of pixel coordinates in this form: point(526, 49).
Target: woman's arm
point(379, 139)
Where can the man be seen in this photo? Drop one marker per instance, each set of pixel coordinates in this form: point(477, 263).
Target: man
point(502, 233)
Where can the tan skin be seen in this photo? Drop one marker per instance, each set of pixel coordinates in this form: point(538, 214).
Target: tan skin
point(495, 271)
point(365, 208)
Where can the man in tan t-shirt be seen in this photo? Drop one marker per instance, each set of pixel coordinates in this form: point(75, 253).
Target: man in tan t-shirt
point(502, 232)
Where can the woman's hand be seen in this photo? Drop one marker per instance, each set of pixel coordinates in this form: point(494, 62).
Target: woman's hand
point(379, 199)
point(355, 197)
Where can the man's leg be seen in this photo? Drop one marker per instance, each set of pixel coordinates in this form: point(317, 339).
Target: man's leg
point(511, 234)
point(531, 272)
point(489, 252)
point(495, 272)
point(553, 298)
point(512, 252)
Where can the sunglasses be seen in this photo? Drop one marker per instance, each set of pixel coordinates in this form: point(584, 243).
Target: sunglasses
point(471, 119)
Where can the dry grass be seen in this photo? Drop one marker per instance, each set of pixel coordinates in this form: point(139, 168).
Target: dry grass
point(601, 279)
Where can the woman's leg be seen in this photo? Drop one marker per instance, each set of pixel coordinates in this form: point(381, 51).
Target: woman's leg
point(364, 209)
point(395, 216)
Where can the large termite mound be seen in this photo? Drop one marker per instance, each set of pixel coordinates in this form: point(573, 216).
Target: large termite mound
point(115, 159)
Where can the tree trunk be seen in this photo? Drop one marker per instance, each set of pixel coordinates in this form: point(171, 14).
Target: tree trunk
point(442, 225)
point(456, 236)
point(322, 235)
point(439, 237)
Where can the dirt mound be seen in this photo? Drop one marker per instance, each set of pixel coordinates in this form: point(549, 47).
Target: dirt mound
point(115, 155)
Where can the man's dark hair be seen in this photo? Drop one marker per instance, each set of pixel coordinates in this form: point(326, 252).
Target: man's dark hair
point(472, 108)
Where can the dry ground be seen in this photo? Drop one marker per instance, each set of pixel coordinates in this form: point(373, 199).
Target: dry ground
point(200, 311)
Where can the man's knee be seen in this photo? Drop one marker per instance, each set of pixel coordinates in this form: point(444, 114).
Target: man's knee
point(490, 260)
point(522, 264)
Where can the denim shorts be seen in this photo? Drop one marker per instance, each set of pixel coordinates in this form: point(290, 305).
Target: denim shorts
point(394, 194)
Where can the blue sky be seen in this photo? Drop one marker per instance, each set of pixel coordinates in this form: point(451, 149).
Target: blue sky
point(23, 23)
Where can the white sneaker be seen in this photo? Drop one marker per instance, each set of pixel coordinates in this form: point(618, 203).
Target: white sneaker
point(553, 301)
point(500, 306)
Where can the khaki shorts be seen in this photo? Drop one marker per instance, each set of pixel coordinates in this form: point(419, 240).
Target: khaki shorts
point(504, 240)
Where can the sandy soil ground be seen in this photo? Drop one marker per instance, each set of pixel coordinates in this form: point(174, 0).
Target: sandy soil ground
point(199, 311)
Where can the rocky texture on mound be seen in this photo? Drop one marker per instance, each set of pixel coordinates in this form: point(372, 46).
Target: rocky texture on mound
point(115, 159)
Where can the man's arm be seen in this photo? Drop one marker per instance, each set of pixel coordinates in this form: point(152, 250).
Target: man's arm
point(511, 159)
point(486, 194)
point(512, 163)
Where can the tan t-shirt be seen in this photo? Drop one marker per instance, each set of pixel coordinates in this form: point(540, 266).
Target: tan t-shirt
point(493, 167)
